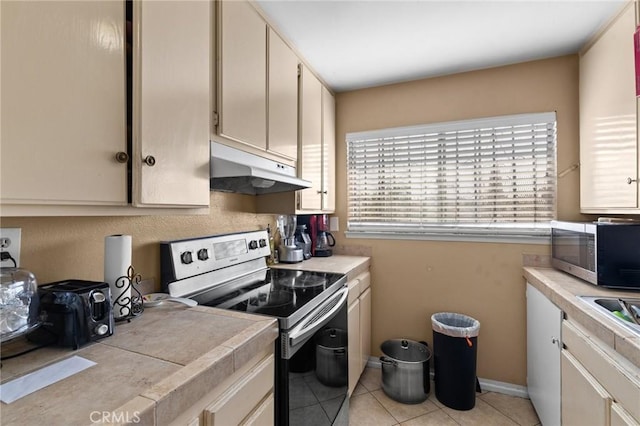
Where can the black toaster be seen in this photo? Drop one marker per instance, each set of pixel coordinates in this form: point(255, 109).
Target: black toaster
point(74, 313)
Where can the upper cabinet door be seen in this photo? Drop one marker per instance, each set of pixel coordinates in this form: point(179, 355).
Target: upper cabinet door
point(171, 103)
point(310, 162)
point(283, 98)
point(608, 117)
point(242, 90)
point(328, 151)
point(63, 103)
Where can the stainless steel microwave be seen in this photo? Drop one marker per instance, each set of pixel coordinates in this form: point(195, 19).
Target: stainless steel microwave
point(602, 253)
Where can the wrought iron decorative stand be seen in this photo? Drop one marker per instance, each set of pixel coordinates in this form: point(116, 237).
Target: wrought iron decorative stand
point(131, 305)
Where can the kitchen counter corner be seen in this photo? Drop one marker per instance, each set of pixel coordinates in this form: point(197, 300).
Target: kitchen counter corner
point(153, 367)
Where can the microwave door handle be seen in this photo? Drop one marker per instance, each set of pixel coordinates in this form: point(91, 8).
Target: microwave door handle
point(313, 324)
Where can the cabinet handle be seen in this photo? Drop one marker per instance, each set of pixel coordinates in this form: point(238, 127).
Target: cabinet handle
point(630, 181)
point(149, 160)
point(322, 192)
point(122, 157)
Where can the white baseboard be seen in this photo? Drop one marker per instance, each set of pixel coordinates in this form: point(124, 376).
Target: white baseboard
point(487, 385)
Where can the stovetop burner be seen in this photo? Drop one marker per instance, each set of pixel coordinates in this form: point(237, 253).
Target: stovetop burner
point(282, 293)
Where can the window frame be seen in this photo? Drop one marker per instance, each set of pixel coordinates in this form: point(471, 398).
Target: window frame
point(510, 232)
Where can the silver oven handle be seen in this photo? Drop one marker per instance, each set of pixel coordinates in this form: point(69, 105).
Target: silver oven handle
point(318, 317)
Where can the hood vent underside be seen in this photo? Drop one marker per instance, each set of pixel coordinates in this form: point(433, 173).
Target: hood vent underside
point(233, 170)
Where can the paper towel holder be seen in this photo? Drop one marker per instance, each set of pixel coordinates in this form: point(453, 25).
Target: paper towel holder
point(129, 306)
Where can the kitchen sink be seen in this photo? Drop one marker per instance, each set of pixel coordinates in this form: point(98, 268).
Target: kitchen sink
point(613, 308)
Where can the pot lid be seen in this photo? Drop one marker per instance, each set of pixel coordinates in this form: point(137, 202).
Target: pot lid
point(406, 350)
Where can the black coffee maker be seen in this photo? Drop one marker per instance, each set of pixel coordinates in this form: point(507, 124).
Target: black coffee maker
point(303, 241)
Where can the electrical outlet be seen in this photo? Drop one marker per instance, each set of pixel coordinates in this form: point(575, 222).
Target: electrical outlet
point(10, 243)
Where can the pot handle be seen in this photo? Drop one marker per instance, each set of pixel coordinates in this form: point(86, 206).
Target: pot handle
point(387, 361)
point(339, 352)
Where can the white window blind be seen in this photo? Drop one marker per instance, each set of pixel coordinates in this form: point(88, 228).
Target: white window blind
point(491, 175)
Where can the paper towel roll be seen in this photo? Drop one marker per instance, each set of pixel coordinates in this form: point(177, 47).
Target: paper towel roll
point(117, 259)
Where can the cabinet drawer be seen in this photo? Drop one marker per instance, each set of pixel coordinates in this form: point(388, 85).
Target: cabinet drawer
point(354, 290)
point(365, 281)
point(263, 415)
point(603, 367)
point(241, 398)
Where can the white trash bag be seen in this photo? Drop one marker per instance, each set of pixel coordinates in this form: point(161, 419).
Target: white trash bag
point(455, 325)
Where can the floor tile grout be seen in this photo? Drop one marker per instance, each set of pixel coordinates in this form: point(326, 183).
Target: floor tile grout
point(509, 413)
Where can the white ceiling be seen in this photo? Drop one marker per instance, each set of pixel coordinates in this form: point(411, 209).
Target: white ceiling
point(357, 44)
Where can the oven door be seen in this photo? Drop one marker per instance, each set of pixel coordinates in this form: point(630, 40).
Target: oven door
point(312, 370)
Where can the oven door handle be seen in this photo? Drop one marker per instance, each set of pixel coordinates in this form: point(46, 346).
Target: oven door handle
point(318, 318)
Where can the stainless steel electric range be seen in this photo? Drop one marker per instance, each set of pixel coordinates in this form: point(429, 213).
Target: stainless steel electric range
point(230, 272)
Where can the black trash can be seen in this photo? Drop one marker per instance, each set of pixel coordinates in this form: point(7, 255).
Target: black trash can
point(455, 350)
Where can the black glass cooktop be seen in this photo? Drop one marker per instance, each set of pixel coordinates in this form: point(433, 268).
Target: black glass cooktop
point(281, 294)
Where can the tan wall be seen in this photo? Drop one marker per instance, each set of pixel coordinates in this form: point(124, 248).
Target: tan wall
point(58, 248)
point(414, 279)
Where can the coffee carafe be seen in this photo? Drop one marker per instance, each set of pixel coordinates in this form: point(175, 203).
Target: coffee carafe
point(303, 241)
point(288, 251)
point(324, 242)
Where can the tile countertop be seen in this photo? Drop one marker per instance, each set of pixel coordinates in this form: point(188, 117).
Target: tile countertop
point(155, 366)
point(562, 289)
point(352, 266)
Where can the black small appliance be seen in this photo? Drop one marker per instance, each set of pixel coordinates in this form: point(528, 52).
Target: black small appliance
point(74, 313)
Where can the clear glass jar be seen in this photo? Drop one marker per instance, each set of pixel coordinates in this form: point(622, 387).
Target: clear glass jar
point(19, 303)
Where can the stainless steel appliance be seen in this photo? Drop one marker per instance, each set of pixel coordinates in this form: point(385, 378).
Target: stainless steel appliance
point(288, 251)
point(19, 303)
point(233, 170)
point(303, 241)
point(74, 313)
point(230, 272)
point(604, 253)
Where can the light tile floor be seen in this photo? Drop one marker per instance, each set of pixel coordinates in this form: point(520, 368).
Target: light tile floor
point(369, 406)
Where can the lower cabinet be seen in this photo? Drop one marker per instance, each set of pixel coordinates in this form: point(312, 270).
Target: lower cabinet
point(584, 400)
point(244, 398)
point(247, 400)
point(359, 319)
point(355, 357)
point(544, 321)
point(599, 386)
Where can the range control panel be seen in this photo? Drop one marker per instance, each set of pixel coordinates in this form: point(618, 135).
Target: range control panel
point(187, 258)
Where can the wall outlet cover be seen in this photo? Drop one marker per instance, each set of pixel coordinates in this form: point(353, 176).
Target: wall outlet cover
point(10, 241)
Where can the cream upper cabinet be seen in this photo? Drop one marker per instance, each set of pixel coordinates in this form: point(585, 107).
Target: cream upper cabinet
point(257, 105)
point(328, 151)
point(609, 154)
point(63, 103)
point(171, 103)
point(283, 98)
point(310, 161)
point(242, 88)
point(317, 145)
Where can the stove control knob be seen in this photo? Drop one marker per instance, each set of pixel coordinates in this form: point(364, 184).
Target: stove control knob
point(102, 329)
point(263, 242)
point(203, 254)
point(253, 244)
point(186, 257)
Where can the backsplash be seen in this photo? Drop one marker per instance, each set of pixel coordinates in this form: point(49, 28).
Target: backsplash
point(59, 248)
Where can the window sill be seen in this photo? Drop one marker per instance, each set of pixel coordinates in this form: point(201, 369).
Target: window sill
point(477, 238)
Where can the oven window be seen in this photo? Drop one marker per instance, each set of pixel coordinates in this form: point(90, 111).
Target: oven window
point(318, 377)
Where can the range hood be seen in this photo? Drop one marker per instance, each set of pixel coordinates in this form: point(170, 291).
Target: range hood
point(233, 170)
